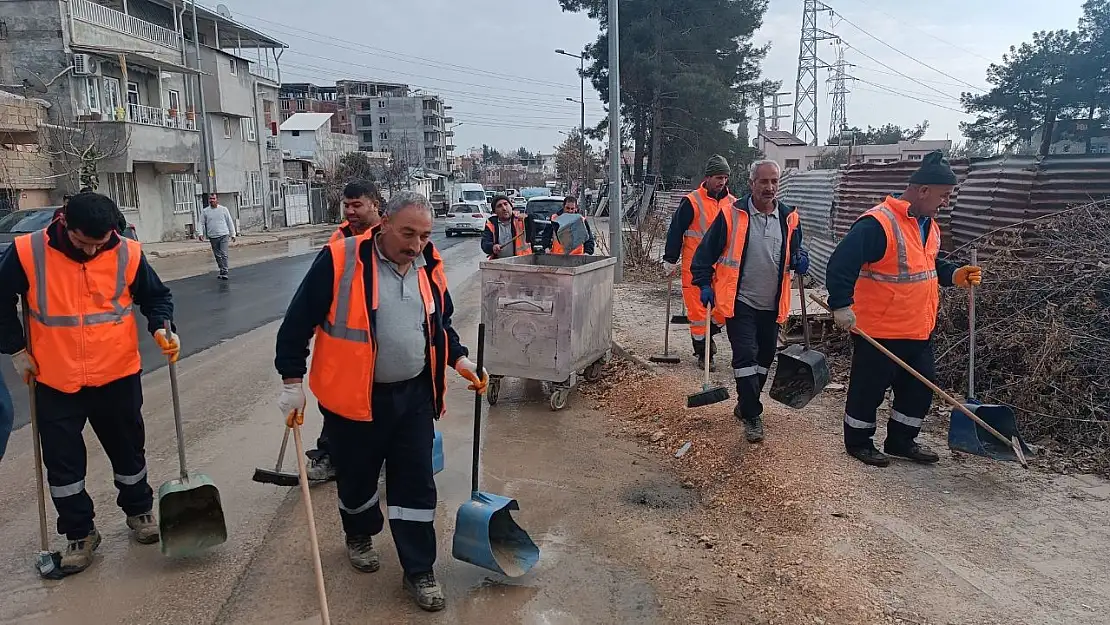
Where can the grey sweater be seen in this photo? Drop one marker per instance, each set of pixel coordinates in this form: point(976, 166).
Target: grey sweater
point(216, 222)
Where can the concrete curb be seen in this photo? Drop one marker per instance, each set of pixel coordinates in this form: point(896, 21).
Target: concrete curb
point(245, 240)
point(643, 363)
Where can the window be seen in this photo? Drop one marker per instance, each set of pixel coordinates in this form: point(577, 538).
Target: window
point(133, 93)
point(382, 120)
point(275, 192)
point(383, 136)
point(92, 94)
point(248, 129)
point(184, 193)
point(367, 137)
point(174, 99)
point(914, 157)
point(253, 194)
point(295, 133)
point(381, 104)
point(121, 188)
point(234, 68)
point(793, 163)
point(113, 98)
point(227, 128)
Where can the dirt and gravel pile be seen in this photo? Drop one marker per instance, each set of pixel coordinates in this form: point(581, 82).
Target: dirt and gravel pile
point(1042, 334)
point(777, 516)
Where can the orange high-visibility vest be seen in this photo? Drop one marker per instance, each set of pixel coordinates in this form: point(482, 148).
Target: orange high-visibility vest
point(557, 248)
point(706, 210)
point(341, 232)
point(522, 248)
point(83, 332)
point(342, 371)
point(726, 275)
point(898, 296)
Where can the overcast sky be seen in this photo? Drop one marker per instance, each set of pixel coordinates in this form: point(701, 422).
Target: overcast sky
point(493, 61)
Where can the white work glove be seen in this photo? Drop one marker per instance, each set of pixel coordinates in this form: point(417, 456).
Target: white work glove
point(291, 403)
point(25, 365)
point(469, 370)
point(669, 268)
point(845, 319)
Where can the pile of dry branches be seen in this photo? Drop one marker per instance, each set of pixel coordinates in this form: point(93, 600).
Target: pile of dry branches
point(1042, 331)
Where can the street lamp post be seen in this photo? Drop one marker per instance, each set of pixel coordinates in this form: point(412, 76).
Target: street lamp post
point(582, 103)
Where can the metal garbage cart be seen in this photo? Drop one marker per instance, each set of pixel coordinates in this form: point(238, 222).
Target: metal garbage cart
point(548, 318)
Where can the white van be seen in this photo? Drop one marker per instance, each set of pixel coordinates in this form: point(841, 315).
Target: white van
point(471, 193)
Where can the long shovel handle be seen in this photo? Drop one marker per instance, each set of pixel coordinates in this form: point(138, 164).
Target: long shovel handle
point(176, 396)
point(708, 353)
point(1013, 443)
point(318, 567)
point(971, 333)
point(805, 314)
point(667, 320)
point(44, 537)
point(478, 410)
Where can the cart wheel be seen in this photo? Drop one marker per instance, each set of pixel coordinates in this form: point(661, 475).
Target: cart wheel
point(593, 372)
point(492, 391)
point(559, 399)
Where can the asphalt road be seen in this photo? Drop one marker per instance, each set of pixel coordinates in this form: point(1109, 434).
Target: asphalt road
point(209, 311)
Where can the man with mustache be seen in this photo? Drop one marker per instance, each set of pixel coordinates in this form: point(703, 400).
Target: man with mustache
point(383, 293)
point(742, 269)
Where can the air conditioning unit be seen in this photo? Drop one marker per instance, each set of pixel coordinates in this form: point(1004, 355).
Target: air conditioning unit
point(85, 65)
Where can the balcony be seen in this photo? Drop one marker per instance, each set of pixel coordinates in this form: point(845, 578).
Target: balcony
point(153, 116)
point(450, 147)
point(147, 134)
point(448, 120)
point(96, 24)
point(264, 72)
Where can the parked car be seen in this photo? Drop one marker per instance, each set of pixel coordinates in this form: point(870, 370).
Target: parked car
point(31, 219)
point(439, 203)
point(465, 218)
point(519, 202)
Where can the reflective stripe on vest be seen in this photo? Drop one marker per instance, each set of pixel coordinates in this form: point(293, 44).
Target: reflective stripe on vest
point(42, 314)
point(699, 214)
point(904, 274)
point(340, 329)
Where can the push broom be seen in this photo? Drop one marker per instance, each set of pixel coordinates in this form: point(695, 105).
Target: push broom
point(710, 393)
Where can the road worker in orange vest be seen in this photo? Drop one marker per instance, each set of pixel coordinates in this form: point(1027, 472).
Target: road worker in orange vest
point(883, 279)
point(380, 293)
point(689, 224)
point(80, 279)
point(570, 206)
point(506, 234)
point(362, 202)
point(743, 268)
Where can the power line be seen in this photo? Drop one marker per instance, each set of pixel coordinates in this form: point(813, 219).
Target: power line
point(926, 33)
point(895, 92)
point(398, 56)
point(887, 73)
point(903, 75)
point(900, 89)
point(914, 59)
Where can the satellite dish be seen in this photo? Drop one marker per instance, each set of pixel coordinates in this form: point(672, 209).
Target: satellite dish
point(32, 81)
point(223, 11)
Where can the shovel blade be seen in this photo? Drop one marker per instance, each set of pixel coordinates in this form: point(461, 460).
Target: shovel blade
point(800, 376)
point(969, 437)
point(487, 536)
point(190, 516)
point(437, 453)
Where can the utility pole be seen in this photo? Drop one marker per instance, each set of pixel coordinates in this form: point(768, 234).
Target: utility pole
point(838, 77)
point(805, 104)
point(775, 106)
point(582, 103)
point(616, 209)
point(202, 123)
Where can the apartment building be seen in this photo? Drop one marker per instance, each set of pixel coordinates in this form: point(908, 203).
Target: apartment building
point(310, 148)
point(121, 77)
point(303, 97)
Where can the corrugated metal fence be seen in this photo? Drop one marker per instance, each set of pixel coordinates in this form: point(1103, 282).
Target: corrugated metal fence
point(812, 193)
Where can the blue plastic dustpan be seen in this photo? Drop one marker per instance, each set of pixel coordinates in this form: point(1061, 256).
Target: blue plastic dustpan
point(437, 453)
point(485, 533)
point(969, 437)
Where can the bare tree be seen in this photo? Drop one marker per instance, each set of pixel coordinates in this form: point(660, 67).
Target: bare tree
point(79, 147)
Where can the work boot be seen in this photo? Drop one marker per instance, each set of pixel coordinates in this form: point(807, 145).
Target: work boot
point(753, 427)
point(361, 553)
point(913, 451)
point(144, 529)
point(79, 553)
point(320, 468)
point(869, 455)
point(425, 591)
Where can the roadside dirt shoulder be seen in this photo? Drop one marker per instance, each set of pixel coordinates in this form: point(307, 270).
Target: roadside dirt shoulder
point(801, 533)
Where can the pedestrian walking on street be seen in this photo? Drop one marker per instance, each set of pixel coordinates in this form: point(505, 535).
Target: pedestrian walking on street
point(742, 270)
point(84, 358)
point(362, 203)
point(218, 227)
point(506, 234)
point(883, 279)
point(7, 416)
point(383, 292)
point(688, 225)
point(570, 206)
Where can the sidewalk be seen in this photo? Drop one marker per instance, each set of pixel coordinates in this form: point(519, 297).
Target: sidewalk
point(169, 249)
point(804, 534)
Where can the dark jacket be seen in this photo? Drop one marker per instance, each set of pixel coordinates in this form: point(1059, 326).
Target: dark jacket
point(491, 237)
point(313, 298)
point(713, 245)
point(864, 243)
point(147, 290)
point(680, 223)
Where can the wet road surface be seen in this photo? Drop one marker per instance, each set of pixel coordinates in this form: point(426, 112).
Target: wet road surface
point(208, 311)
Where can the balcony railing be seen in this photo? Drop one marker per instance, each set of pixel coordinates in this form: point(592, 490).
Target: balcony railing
point(272, 143)
point(98, 14)
point(262, 71)
point(152, 116)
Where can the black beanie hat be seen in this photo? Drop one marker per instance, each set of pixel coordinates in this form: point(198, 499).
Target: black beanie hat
point(717, 166)
point(497, 198)
point(934, 170)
